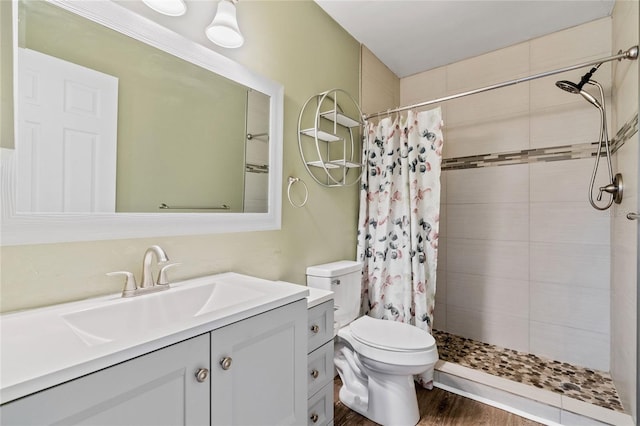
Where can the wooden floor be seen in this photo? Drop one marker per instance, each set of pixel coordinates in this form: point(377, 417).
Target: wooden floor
point(437, 407)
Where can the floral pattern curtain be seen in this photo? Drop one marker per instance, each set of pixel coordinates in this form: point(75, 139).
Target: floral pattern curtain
point(399, 218)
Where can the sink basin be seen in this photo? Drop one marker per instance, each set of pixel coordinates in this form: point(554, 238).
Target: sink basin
point(46, 346)
point(125, 318)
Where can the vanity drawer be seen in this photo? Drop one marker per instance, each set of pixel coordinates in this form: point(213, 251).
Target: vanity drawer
point(320, 329)
point(320, 411)
point(320, 368)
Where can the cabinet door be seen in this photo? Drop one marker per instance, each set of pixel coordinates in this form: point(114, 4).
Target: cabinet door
point(263, 381)
point(159, 388)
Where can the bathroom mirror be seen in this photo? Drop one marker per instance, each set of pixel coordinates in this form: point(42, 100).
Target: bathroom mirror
point(196, 139)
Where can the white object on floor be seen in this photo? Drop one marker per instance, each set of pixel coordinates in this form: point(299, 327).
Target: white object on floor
point(376, 359)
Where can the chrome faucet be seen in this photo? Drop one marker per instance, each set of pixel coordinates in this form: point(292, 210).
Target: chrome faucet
point(147, 284)
point(161, 257)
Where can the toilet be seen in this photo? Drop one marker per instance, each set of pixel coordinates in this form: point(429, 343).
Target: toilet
point(376, 359)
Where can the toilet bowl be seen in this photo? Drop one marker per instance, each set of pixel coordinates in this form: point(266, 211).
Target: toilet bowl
point(376, 359)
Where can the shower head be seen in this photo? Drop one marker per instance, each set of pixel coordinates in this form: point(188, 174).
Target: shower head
point(574, 88)
point(568, 86)
point(571, 87)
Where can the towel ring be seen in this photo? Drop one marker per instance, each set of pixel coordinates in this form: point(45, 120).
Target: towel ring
point(293, 180)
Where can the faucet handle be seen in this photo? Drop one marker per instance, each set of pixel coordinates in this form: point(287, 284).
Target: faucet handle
point(130, 285)
point(162, 275)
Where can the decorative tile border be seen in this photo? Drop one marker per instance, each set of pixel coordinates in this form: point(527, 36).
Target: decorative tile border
point(556, 153)
point(625, 133)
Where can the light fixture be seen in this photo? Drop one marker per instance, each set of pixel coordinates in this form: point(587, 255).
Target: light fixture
point(224, 30)
point(167, 7)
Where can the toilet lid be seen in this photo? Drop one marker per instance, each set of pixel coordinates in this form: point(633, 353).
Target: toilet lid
point(391, 335)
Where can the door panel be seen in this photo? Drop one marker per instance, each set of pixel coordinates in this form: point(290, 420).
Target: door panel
point(265, 383)
point(156, 389)
point(66, 150)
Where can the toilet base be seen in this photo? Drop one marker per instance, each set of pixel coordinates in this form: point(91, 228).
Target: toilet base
point(391, 400)
point(387, 399)
point(378, 383)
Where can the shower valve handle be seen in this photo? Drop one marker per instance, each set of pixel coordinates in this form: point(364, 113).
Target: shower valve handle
point(609, 188)
point(614, 188)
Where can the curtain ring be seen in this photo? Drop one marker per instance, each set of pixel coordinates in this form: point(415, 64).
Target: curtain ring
point(293, 180)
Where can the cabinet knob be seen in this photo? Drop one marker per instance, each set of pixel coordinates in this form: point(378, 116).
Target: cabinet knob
point(314, 417)
point(315, 373)
point(226, 362)
point(315, 328)
point(202, 374)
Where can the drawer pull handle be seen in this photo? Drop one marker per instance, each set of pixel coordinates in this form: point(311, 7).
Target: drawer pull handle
point(315, 373)
point(314, 417)
point(315, 328)
point(202, 374)
point(226, 362)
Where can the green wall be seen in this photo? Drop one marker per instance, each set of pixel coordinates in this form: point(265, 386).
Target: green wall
point(294, 43)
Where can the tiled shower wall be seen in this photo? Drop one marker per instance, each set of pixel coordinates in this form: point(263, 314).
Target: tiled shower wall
point(624, 250)
point(524, 260)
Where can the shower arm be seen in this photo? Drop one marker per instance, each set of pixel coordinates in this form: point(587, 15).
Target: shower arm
point(631, 54)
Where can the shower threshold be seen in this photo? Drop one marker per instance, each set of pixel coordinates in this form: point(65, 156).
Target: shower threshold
point(544, 390)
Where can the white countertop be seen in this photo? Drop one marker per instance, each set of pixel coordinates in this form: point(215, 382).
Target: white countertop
point(39, 350)
point(317, 296)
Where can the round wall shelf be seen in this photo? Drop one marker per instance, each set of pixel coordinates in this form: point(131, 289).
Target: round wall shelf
point(327, 135)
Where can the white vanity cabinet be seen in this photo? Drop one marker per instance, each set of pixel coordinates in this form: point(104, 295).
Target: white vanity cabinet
point(260, 381)
point(320, 370)
point(258, 369)
point(159, 388)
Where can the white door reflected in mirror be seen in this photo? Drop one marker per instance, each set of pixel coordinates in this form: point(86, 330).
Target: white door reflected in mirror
point(66, 152)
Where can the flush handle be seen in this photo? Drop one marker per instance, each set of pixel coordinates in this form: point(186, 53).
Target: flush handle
point(226, 362)
point(315, 373)
point(315, 328)
point(202, 374)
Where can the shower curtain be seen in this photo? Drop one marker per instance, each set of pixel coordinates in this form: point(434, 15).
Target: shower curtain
point(399, 218)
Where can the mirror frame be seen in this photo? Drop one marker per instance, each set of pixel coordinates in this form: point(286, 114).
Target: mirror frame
point(68, 227)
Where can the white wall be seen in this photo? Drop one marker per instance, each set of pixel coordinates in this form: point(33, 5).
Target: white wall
point(524, 260)
point(624, 249)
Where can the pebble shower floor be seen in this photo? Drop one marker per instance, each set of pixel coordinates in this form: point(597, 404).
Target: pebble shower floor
point(584, 384)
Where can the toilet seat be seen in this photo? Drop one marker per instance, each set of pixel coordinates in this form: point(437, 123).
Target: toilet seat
point(391, 335)
point(371, 333)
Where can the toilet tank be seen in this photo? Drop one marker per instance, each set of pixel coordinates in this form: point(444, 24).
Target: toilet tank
point(344, 278)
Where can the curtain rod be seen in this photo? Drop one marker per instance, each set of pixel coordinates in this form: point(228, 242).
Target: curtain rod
point(631, 53)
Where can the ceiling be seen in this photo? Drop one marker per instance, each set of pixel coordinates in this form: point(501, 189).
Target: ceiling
point(411, 36)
